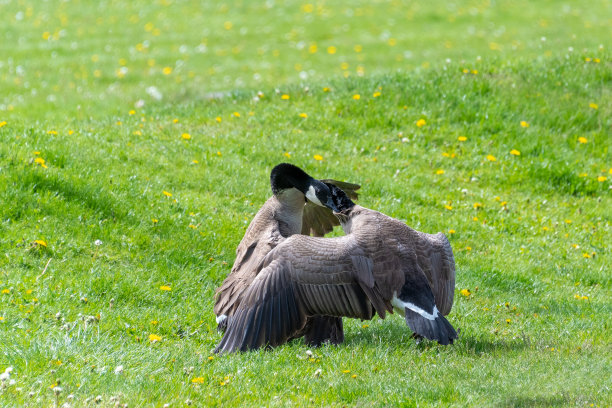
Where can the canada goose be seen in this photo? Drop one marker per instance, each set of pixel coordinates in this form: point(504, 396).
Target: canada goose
point(380, 264)
point(295, 207)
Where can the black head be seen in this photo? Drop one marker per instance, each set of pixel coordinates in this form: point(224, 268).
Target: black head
point(341, 201)
point(285, 176)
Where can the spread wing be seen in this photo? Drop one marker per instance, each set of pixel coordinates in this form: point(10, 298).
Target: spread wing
point(435, 258)
point(258, 241)
point(303, 277)
point(317, 220)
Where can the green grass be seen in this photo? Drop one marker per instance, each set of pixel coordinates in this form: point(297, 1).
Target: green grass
point(535, 329)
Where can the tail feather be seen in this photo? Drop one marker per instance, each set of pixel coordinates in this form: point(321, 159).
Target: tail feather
point(438, 329)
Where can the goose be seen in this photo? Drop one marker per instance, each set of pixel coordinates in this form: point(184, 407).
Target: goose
point(379, 266)
point(296, 206)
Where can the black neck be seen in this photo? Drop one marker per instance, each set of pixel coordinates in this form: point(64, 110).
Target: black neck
point(341, 200)
point(286, 175)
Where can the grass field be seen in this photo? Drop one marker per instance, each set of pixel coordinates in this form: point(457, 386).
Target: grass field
point(136, 141)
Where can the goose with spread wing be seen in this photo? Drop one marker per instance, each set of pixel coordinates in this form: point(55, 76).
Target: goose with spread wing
point(300, 204)
point(380, 265)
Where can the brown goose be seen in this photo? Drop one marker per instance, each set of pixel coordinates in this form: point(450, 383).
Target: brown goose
point(380, 265)
point(295, 207)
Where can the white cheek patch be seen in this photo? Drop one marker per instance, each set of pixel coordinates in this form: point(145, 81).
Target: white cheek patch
point(312, 196)
point(401, 305)
point(221, 318)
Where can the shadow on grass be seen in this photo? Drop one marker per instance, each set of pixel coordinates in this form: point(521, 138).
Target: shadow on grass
point(538, 401)
point(73, 190)
point(397, 335)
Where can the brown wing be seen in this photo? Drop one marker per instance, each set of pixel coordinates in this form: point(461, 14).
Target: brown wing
point(318, 221)
point(435, 257)
point(302, 277)
point(258, 240)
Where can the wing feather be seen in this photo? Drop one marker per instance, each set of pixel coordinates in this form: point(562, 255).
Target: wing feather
point(435, 257)
point(322, 283)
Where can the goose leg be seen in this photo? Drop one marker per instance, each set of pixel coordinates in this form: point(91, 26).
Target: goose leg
point(323, 329)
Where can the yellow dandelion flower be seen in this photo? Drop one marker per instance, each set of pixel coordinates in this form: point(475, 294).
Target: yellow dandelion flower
point(167, 70)
point(219, 153)
point(326, 89)
point(186, 136)
point(503, 203)
point(318, 157)
point(218, 119)
point(285, 97)
point(132, 112)
point(228, 25)
point(236, 114)
point(165, 288)
point(154, 337)
point(524, 124)
point(40, 242)
point(154, 322)
point(448, 207)
point(508, 321)
point(586, 255)
point(167, 194)
point(376, 94)
point(312, 49)
point(477, 205)
point(356, 97)
point(475, 72)
point(451, 231)
point(475, 219)
point(593, 106)
point(346, 371)
point(587, 59)
point(582, 139)
point(155, 220)
point(3, 123)
point(421, 122)
point(6, 291)
point(490, 157)
point(303, 115)
point(515, 152)
point(468, 248)
point(52, 132)
point(601, 179)
point(1, 318)
point(354, 376)
point(462, 138)
point(440, 171)
point(287, 155)
point(331, 50)
point(465, 71)
point(465, 292)
point(194, 161)
point(192, 226)
point(596, 60)
point(41, 161)
point(175, 120)
point(210, 358)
